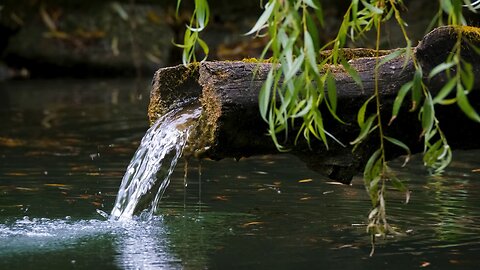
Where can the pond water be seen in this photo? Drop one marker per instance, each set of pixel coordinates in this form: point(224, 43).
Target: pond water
point(65, 145)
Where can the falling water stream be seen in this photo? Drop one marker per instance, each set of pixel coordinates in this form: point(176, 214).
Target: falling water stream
point(149, 171)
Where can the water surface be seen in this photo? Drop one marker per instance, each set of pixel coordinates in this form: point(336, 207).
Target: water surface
point(65, 146)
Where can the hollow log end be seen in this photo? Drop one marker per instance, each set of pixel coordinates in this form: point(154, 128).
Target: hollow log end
point(170, 85)
point(437, 45)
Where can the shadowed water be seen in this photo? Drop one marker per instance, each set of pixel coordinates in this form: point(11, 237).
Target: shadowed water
point(65, 146)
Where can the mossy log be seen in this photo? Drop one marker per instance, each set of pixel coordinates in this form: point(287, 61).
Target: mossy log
point(232, 127)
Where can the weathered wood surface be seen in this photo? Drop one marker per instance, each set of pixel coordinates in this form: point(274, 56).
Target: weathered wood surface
point(232, 126)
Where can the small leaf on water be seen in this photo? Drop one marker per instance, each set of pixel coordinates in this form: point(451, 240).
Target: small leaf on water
point(252, 223)
point(424, 264)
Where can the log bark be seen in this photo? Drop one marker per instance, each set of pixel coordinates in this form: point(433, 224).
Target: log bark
point(232, 127)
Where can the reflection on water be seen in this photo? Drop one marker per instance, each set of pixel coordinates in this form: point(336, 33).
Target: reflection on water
point(64, 147)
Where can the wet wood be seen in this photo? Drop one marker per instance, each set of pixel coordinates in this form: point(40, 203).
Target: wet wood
point(232, 126)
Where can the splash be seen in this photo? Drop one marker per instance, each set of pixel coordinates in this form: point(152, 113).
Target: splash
point(149, 171)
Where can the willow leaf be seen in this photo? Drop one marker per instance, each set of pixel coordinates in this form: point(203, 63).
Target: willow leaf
point(351, 71)
point(390, 57)
point(397, 104)
point(263, 18)
point(332, 92)
point(264, 95)
point(401, 145)
point(463, 103)
point(367, 172)
point(361, 112)
point(310, 3)
point(428, 115)
point(295, 67)
point(440, 68)
point(446, 89)
point(372, 8)
point(364, 130)
point(204, 47)
point(416, 88)
point(310, 51)
point(467, 76)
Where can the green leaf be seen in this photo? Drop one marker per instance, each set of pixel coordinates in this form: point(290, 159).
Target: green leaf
point(321, 130)
point(367, 172)
point(372, 8)
point(428, 114)
point(401, 145)
point(204, 47)
point(361, 112)
point(351, 71)
point(310, 51)
point(310, 3)
point(400, 186)
point(264, 95)
point(463, 103)
point(446, 6)
point(390, 57)
point(446, 89)
point(332, 92)
point(263, 18)
point(312, 28)
point(416, 88)
point(365, 129)
point(178, 6)
point(397, 104)
point(117, 7)
point(440, 68)
point(297, 64)
point(467, 76)
point(202, 13)
point(306, 108)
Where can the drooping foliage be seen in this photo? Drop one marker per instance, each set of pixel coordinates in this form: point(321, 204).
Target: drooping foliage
point(303, 84)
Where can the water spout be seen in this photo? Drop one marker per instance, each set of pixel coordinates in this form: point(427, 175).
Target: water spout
point(149, 171)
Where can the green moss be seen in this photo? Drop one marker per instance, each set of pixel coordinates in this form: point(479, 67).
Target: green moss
point(471, 33)
point(256, 60)
point(354, 53)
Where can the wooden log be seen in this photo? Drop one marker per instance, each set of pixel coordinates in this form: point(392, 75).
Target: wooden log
point(232, 127)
